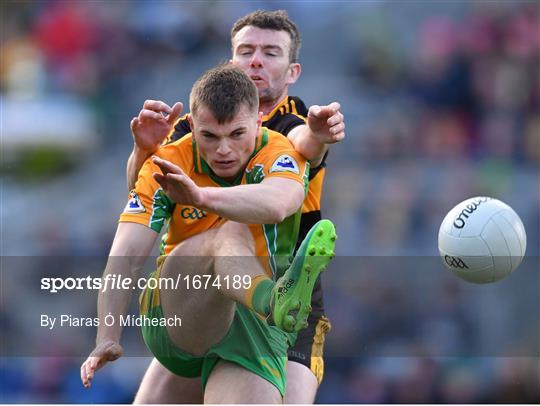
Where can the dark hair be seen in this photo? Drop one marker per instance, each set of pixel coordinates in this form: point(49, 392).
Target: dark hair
point(271, 20)
point(223, 90)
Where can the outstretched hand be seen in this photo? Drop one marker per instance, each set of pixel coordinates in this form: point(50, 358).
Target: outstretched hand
point(327, 123)
point(154, 122)
point(178, 186)
point(103, 353)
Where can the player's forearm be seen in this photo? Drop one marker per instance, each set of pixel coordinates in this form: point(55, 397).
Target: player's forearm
point(131, 246)
point(253, 204)
point(134, 165)
point(113, 302)
point(306, 143)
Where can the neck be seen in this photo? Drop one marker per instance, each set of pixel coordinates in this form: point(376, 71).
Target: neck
point(266, 106)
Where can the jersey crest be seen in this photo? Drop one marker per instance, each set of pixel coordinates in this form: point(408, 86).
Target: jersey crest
point(134, 204)
point(285, 163)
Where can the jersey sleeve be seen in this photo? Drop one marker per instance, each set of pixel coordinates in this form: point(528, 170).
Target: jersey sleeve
point(147, 202)
point(299, 105)
point(286, 163)
point(284, 123)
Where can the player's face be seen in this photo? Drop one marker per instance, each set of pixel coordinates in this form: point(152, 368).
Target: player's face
point(226, 147)
point(264, 56)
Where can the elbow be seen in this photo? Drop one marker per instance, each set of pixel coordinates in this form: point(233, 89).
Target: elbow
point(280, 215)
point(283, 209)
point(306, 151)
point(276, 214)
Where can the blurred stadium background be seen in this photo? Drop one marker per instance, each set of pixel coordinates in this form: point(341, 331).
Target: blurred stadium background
point(442, 102)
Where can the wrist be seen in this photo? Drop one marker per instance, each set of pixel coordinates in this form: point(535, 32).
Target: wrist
point(316, 138)
point(143, 153)
point(108, 339)
point(205, 198)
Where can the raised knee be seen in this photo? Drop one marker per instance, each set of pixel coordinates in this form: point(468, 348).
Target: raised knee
point(199, 245)
point(237, 233)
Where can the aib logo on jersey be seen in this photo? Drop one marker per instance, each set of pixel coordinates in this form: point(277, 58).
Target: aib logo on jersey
point(134, 204)
point(192, 213)
point(285, 163)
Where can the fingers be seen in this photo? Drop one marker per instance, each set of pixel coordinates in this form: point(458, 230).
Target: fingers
point(156, 110)
point(146, 114)
point(175, 113)
point(324, 111)
point(87, 371)
point(166, 166)
point(173, 183)
point(336, 122)
point(338, 132)
point(314, 111)
point(157, 106)
point(134, 123)
point(164, 179)
point(105, 352)
point(161, 179)
point(334, 106)
point(84, 375)
point(335, 119)
point(178, 179)
point(167, 170)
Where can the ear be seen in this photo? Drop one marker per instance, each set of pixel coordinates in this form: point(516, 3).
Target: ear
point(192, 126)
point(295, 69)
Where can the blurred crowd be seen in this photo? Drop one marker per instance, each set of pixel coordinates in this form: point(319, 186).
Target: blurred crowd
point(442, 102)
point(467, 88)
point(455, 114)
point(87, 48)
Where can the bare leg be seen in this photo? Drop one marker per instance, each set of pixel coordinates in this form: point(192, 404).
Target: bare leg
point(207, 312)
point(230, 383)
point(301, 384)
point(235, 256)
point(159, 385)
point(228, 250)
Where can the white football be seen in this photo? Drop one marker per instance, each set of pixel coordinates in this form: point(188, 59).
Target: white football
point(482, 240)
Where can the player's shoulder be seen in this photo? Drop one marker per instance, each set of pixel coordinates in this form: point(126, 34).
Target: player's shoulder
point(181, 129)
point(288, 114)
point(275, 154)
point(297, 106)
point(274, 145)
point(178, 149)
point(291, 105)
point(276, 140)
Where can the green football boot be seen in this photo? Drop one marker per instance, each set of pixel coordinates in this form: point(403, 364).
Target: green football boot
point(290, 303)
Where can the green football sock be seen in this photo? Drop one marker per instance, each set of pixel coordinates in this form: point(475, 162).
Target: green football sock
point(259, 294)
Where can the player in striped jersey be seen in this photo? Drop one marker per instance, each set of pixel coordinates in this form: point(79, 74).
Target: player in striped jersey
point(266, 46)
